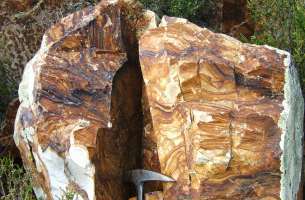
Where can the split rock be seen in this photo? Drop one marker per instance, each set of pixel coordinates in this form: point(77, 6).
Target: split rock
point(226, 117)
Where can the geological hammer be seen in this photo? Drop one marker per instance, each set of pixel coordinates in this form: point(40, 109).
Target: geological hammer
point(139, 176)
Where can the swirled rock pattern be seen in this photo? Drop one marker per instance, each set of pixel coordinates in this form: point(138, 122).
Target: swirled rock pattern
point(79, 125)
point(226, 117)
point(223, 118)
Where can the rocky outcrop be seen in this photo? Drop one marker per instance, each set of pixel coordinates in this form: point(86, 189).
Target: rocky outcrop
point(79, 125)
point(226, 117)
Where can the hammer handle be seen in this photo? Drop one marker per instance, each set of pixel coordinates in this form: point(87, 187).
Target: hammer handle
point(140, 191)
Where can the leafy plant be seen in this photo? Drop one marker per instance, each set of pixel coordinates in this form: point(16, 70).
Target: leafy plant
point(15, 183)
point(186, 9)
point(180, 8)
point(69, 195)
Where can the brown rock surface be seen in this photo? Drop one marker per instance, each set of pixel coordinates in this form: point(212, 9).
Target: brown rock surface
point(79, 125)
point(226, 117)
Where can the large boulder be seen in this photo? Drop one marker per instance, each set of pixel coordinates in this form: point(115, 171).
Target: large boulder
point(226, 117)
point(79, 125)
point(223, 118)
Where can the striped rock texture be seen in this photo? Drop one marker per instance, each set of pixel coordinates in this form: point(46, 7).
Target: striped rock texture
point(79, 125)
point(226, 118)
point(223, 118)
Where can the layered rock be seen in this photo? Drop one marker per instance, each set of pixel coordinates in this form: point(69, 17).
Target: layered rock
point(79, 125)
point(221, 117)
point(22, 25)
point(226, 117)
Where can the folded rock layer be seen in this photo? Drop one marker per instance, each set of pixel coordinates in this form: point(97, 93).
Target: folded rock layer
point(79, 125)
point(226, 117)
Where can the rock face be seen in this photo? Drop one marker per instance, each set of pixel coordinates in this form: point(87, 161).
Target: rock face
point(79, 125)
point(221, 117)
point(226, 117)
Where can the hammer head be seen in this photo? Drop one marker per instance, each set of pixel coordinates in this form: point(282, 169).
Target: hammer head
point(139, 176)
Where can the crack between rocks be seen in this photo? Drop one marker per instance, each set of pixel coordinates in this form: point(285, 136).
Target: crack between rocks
point(231, 139)
point(180, 86)
point(188, 147)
